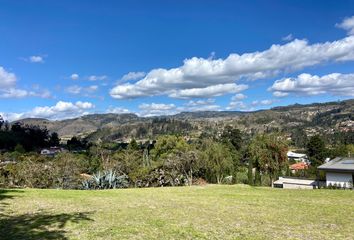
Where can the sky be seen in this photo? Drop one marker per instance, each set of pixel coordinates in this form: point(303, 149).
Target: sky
point(64, 59)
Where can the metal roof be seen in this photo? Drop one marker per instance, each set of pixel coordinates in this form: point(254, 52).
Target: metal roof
point(296, 181)
point(345, 164)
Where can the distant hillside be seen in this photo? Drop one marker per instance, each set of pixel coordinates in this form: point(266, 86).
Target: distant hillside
point(323, 117)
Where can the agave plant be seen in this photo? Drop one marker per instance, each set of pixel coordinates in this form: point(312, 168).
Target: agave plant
point(106, 180)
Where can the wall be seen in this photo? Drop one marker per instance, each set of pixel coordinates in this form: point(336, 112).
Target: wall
point(338, 178)
point(296, 186)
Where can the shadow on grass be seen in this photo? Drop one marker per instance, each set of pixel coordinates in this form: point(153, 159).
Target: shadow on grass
point(7, 194)
point(40, 225)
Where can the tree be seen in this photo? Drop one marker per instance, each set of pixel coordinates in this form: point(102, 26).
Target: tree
point(185, 162)
point(299, 138)
point(316, 150)
point(234, 136)
point(1, 121)
point(54, 139)
point(218, 159)
point(268, 154)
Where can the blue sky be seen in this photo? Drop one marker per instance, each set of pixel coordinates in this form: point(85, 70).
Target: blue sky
point(62, 59)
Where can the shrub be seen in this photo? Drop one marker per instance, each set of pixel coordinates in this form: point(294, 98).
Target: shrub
point(106, 180)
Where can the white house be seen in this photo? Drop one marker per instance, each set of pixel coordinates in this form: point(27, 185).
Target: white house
point(339, 172)
point(297, 157)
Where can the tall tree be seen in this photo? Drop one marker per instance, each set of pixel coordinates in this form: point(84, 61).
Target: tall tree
point(218, 160)
point(316, 150)
point(54, 139)
point(234, 136)
point(268, 153)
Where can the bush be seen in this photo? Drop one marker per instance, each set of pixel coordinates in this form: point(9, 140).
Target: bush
point(106, 180)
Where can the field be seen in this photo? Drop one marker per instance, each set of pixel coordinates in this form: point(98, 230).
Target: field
point(201, 212)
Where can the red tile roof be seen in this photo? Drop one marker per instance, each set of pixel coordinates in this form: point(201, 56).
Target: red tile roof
point(299, 166)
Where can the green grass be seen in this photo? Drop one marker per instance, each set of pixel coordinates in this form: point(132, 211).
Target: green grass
point(209, 212)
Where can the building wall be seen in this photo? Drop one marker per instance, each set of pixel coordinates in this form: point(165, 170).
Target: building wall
point(338, 178)
point(296, 186)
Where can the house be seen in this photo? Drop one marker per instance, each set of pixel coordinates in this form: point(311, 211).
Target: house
point(297, 157)
point(52, 151)
point(339, 172)
point(298, 166)
point(295, 183)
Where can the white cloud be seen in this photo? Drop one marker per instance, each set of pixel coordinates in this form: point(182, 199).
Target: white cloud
point(306, 84)
point(61, 110)
point(132, 76)
point(8, 87)
point(265, 102)
point(21, 93)
point(36, 59)
point(92, 88)
point(210, 91)
point(238, 96)
point(74, 76)
point(97, 78)
point(84, 105)
point(157, 109)
point(7, 79)
point(200, 105)
point(236, 105)
point(13, 93)
point(75, 89)
point(200, 74)
point(288, 37)
point(117, 110)
point(193, 103)
point(348, 25)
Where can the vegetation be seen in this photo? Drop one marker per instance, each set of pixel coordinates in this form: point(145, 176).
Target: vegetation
point(208, 212)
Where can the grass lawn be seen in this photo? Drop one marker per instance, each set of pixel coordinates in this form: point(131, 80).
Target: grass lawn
point(208, 212)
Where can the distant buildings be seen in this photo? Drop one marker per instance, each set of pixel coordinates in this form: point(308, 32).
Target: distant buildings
point(298, 166)
point(51, 152)
point(298, 157)
point(339, 172)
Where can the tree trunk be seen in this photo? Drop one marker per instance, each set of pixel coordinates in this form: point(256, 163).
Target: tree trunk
point(250, 173)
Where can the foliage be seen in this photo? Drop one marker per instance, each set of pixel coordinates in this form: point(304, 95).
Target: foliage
point(31, 138)
point(316, 150)
point(106, 180)
point(268, 153)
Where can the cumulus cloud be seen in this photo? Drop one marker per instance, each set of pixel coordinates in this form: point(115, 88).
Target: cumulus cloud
point(157, 109)
point(117, 110)
point(236, 105)
point(193, 103)
point(199, 75)
point(8, 87)
point(265, 102)
point(238, 96)
point(36, 59)
point(348, 25)
point(97, 78)
point(21, 93)
point(60, 110)
point(132, 76)
point(306, 84)
point(210, 91)
point(75, 89)
point(74, 76)
point(7, 79)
